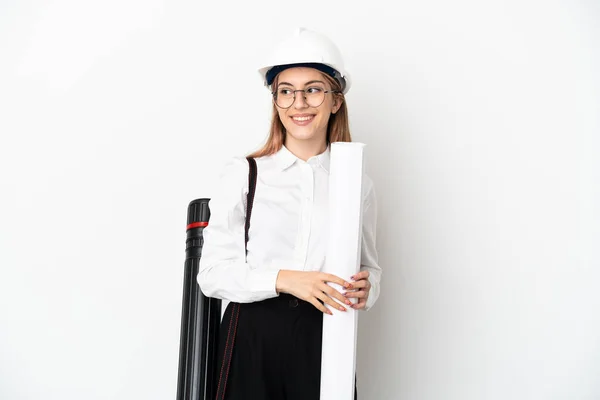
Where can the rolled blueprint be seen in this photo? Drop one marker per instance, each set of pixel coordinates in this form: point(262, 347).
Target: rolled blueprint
point(338, 359)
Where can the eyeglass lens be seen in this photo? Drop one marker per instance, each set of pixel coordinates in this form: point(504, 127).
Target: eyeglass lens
point(314, 96)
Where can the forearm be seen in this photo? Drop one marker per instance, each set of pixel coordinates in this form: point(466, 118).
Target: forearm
point(236, 281)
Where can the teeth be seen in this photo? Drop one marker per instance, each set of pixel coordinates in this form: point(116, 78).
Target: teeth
point(301, 118)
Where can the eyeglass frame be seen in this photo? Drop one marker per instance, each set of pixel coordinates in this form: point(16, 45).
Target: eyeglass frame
point(304, 95)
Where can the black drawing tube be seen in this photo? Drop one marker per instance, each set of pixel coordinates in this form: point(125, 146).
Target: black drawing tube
point(200, 317)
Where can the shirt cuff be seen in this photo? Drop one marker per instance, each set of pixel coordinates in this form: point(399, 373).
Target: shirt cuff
point(264, 282)
point(372, 296)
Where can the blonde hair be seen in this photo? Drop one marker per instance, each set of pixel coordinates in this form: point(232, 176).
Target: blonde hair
point(338, 127)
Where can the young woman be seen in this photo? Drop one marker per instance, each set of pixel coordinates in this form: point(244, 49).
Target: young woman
point(273, 274)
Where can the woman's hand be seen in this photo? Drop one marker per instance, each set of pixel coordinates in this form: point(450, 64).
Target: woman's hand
point(363, 286)
point(311, 286)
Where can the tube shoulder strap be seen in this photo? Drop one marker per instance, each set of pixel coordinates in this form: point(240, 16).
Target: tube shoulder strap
point(235, 307)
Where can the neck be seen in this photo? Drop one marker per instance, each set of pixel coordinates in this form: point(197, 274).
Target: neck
point(305, 149)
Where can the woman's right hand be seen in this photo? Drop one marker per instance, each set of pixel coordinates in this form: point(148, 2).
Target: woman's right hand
point(311, 286)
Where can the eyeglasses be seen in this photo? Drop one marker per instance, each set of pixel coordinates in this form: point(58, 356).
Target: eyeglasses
point(313, 96)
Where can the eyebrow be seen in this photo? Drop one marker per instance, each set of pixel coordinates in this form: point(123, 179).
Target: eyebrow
point(306, 84)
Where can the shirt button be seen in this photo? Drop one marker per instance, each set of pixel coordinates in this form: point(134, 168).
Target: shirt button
point(294, 303)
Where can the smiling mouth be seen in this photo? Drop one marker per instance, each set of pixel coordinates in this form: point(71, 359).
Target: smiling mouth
point(303, 118)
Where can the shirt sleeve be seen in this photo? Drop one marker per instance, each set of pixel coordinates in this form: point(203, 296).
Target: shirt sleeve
point(369, 255)
point(223, 270)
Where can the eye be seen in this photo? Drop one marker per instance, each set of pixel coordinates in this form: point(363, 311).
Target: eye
point(284, 92)
point(314, 90)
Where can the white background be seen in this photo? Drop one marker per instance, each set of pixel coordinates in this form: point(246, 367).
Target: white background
point(482, 125)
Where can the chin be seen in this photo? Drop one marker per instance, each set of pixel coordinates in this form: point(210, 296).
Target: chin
point(301, 134)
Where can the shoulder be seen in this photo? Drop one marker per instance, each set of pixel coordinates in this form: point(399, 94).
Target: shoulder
point(233, 176)
point(368, 188)
point(234, 167)
point(266, 163)
point(369, 197)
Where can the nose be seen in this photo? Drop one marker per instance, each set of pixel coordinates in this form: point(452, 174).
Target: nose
point(300, 99)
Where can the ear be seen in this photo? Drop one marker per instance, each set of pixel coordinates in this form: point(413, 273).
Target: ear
point(337, 103)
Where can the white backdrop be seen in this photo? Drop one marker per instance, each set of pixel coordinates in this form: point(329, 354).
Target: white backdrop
point(482, 125)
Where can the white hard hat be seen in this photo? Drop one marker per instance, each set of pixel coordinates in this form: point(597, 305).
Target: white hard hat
point(306, 48)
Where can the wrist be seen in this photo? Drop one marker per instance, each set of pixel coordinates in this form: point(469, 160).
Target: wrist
point(280, 283)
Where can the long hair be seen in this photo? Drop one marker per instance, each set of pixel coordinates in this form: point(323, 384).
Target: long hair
point(338, 128)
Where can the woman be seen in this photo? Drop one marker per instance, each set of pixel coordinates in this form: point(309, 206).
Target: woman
point(274, 275)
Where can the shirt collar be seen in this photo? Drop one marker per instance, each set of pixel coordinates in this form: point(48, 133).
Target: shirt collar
point(323, 159)
point(285, 158)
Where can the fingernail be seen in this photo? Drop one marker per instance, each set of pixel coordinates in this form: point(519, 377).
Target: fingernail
point(329, 312)
point(346, 284)
point(352, 277)
point(349, 302)
point(341, 308)
point(350, 286)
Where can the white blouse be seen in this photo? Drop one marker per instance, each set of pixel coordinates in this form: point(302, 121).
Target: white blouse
point(288, 227)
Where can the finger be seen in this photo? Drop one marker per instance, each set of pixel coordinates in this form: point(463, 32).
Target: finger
point(362, 303)
point(319, 306)
point(362, 284)
point(360, 275)
point(335, 279)
point(328, 300)
point(358, 294)
point(334, 294)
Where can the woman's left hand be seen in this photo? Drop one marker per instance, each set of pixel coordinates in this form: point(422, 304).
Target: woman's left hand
point(362, 287)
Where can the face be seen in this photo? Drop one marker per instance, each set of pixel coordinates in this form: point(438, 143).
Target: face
point(304, 123)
